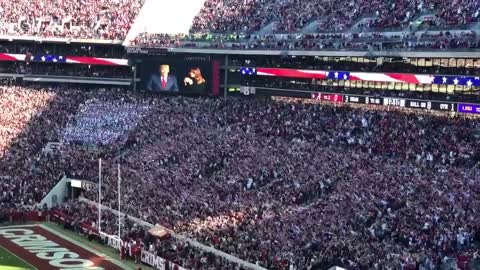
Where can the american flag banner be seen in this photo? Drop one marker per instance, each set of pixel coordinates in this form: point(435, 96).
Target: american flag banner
point(248, 71)
point(47, 58)
point(11, 57)
point(363, 76)
point(338, 75)
point(457, 80)
point(97, 61)
point(50, 58)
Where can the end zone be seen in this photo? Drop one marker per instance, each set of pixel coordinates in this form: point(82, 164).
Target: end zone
point(43, 248)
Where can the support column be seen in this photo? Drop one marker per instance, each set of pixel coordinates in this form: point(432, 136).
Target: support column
point(225, 79)
point(134, 69)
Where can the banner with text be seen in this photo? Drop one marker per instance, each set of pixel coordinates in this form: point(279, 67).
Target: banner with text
point(158, 262)
point(469, 108)
point(146, 257)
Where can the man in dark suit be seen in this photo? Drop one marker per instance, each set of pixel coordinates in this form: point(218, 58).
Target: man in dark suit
point(163, 82)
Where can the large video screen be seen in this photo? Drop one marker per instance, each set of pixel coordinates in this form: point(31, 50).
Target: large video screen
point(181, 76)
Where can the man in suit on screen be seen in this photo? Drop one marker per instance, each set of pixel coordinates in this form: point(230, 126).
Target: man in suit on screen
point(163, 82)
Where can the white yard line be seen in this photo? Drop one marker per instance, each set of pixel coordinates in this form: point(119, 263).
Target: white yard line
point(8, 251)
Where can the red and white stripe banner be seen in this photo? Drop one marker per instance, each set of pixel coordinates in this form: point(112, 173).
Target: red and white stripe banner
point(97, 61)
point(353, 76)
point(12, 57)
point(69, 59)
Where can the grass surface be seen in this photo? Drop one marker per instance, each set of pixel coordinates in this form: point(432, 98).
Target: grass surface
point(9, 261)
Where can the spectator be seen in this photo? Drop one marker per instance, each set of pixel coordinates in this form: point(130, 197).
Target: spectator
point(88, 19)
point(284, 184)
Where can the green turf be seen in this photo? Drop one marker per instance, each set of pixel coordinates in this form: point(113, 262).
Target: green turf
point(9, 261)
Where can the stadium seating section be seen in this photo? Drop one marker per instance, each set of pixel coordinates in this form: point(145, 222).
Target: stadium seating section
point(112, 19)
point(250, 15)
point(86, 19)
point(345, 25)
point(281, 183)
point(277, 183)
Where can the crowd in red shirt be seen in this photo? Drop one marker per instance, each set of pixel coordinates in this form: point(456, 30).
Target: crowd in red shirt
point(293, 15)
point(285, 184)
point(86, 19)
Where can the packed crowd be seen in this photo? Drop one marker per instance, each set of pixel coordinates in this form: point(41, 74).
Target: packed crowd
point(372, 41)
point(283, 184)
point(266, 179)
point(293, 16)
point(112, 19)
point(17, 185)
point(230, 24)
point(30, 119)
point(87, 19)
point(180, 252)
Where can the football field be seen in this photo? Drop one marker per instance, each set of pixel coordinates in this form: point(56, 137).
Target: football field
point(36, 246)
point(9, 261)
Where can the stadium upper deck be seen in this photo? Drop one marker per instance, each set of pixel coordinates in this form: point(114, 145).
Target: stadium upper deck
point(309, 25)
point(87, 19)
point(266, 24)
point(329, 16)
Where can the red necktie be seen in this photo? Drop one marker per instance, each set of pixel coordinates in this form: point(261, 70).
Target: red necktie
point(164, 83)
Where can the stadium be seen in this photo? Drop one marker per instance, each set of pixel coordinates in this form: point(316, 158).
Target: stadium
point(235, 135)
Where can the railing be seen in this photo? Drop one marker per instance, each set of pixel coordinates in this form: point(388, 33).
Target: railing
point(425, 27)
